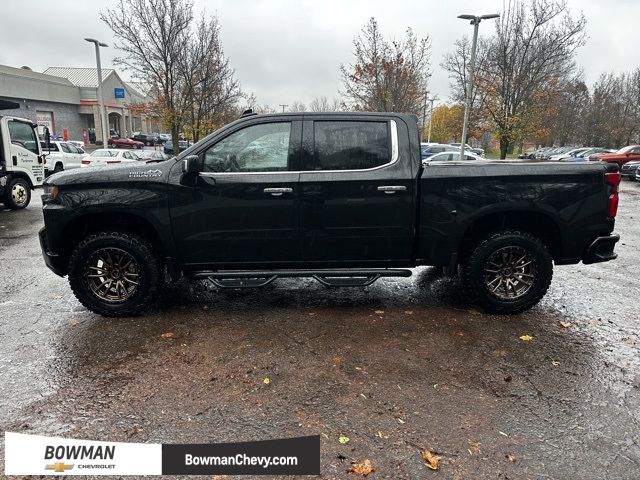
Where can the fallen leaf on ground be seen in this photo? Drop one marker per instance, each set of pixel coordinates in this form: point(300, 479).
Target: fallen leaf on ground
point(431, 459)
point(364, 468)
point(74, 322)
point(343, 439)
point(401, 421)
point(167, 335)
point(510, 457)
point(555, 363)
point(266, 380)
point(594, 323)
point(501, 352)
point(408, 312)
point(526, 338)
point(473, 311)
point(630, 341)
point(379, 312)
point(565, 324)
point(336, 360)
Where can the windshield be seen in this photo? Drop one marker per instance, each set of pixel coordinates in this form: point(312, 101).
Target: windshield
point(103, 153)
point(625, 150)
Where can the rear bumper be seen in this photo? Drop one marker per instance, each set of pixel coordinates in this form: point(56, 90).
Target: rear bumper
point(55, 263)
point(601, 249)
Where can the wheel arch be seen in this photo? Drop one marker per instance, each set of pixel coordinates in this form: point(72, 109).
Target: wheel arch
point(536, 223)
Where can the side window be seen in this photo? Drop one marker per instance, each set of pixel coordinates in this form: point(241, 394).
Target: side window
point(65, 148)
point(345, 145)
point(23, 134)
point(257, 148)
point(127, 155)
point(72, 148)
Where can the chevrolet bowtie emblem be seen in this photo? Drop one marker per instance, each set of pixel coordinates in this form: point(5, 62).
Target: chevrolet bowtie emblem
point(58, 467)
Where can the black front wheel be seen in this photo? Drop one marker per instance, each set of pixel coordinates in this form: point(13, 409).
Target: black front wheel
point(115, 274)
point(17, 194)
point(508, 271)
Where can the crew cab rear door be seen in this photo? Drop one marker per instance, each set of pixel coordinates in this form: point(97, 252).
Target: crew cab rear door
point(243, 210)
point(356, 192)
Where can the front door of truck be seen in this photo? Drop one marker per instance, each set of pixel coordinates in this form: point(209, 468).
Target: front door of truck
point(356, 193)
point(243, 208)
point(24, 149)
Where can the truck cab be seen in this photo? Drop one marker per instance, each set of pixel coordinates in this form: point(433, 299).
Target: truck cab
point(21, 159)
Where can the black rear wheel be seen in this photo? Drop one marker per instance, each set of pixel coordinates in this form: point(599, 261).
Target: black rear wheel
point(115, 274)
point(508, 271)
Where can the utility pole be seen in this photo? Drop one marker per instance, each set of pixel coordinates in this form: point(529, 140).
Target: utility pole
point(103, 117)
point(283, 105)
point(475, 21)
point(424, 115)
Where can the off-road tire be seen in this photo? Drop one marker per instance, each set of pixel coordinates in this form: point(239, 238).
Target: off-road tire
point(474, 267)
point(8, 198)
point(148, 261)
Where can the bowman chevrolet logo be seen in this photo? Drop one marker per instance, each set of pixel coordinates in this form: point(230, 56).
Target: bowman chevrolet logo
point(145, 174)
point(58, 467)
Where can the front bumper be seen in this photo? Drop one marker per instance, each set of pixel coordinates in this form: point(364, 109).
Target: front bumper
point(601, 249)
point(55, 263)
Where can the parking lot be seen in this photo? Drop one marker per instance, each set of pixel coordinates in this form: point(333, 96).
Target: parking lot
point(396, 367)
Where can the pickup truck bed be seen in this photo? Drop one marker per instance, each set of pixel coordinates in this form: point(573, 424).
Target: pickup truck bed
point(344, 198)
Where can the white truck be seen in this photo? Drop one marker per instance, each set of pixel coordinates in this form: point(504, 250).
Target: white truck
point(61, 156)
point(21, 159)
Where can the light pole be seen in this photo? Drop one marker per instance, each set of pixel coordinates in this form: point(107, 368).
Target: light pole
point(103, 117)
point(475, 21)
point(283, 105)
point(431, 117)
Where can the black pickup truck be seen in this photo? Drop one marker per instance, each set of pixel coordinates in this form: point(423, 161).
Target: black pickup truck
point(341, 197)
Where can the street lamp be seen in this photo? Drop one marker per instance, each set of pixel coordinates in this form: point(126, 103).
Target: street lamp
point(433, 99)
point(475, 21)
point(103, 117)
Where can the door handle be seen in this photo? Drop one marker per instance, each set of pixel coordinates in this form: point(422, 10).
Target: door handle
point(277, 192)
point(389, 189)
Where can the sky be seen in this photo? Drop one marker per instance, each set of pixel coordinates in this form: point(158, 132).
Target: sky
point(290, 50)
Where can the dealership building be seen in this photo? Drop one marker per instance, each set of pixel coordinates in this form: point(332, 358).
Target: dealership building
point(65, 99)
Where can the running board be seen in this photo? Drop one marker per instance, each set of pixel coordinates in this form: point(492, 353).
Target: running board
point(328, 277)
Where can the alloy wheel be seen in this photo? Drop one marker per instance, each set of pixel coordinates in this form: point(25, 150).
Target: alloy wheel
point(509, 273)
point(112, 275)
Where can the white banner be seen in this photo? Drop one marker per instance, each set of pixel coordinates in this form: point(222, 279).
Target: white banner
point(38, 455)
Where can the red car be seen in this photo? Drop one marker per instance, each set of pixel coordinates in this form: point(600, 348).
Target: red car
point(622, 156)
point(124, 143)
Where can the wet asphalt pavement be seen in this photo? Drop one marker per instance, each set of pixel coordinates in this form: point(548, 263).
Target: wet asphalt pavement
point(396, 367)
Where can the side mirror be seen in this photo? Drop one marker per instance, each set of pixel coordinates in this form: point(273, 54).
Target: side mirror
point(192, 164)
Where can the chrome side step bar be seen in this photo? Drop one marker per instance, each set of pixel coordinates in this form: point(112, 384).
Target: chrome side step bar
point(328, 277)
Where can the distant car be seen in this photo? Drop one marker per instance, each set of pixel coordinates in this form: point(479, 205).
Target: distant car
point(124, 143)
point(147, 155)
point(60, 156)
point(429, 149)
point(569, 153)
point(145, 138)
point(622, 156)
point(469, 148)
point(630, 169)
point(452, 157)
point(168, 146)
point(108, 156)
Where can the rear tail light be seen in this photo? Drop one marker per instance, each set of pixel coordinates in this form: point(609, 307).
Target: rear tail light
point(613, 180)
point(85, 161)
point(113, 161)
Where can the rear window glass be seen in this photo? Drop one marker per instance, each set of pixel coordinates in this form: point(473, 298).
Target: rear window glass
point(350, 145)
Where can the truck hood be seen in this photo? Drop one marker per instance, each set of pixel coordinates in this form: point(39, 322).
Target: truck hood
point(122, 173)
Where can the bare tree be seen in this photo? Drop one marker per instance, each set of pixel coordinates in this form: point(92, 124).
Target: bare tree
point(386, 76)
point(210, 88)
point(531, 53)
point(323, 104)
point(152, 46)
point(298, 107)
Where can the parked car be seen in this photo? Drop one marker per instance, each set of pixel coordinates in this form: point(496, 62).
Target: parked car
point(622, 156)
point(584, 156)
point(571, 153)
point(630, 169)
point(108, 156)
point(124, 143)
point(469, 148)
point(145, 138)
point(429, 149)
point(345, 201)
point(452, 157)
point(183, 144)
point(60, 156)
point(147, 155)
